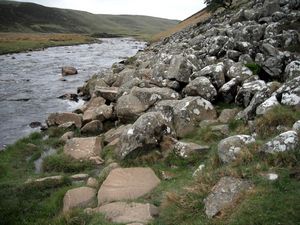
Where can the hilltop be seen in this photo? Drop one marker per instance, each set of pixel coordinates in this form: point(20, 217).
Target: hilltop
point(31, 17)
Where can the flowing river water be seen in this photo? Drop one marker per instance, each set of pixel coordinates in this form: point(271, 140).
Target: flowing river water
point(30, 83)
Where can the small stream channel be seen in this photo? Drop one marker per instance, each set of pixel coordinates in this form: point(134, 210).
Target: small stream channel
point(30, 83)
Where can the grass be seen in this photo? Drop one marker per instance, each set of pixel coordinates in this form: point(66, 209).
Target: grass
point(20, 42)
point(266, 125)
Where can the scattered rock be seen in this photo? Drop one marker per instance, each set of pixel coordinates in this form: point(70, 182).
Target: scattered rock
point(80, 177)
point(288, 141)
point(67, 136)
point(229, 148)
point(79, 198)
point(56, 119)
point(70, 97)
point(93, 127)
point(186, 149)
point(122, 212)
point(224, 193)
point(227, 115)
point(83, 148)
point(127, 184)
point(68, 70)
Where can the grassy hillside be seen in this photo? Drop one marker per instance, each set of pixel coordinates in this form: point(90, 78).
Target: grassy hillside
point(30, 17)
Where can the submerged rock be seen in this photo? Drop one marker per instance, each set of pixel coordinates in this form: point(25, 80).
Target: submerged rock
point(68, 70)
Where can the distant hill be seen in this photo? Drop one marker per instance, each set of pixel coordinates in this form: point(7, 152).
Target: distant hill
point(31, 17)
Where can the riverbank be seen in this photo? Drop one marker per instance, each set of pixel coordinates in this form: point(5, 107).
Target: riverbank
point(23, 42)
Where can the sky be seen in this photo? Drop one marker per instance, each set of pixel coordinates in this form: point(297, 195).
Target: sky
point(171, 9)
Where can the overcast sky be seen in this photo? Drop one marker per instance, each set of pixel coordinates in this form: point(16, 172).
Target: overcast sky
point(172, 9)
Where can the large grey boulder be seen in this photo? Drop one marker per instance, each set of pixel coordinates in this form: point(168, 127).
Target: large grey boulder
point(115, 133)
point(187, 149)
point(229, 90)
point(56, 119)
point(296, 126)
point(83, 148)
point(149, 96)
point(187, 113)
point(82, 197)
point(238, 70)
point(100, 113)
point(201, 86)
point(225, 192)
point(133, 213)
point(129, 108)
point(215, 72)
point(227, 115)
point(179, 69)
point(267, 105)
point(127, 184)
point(230, 148)
point(144, 134)
point(248, 90)
point(288, 141)
point(289, 92)
point(292, 70)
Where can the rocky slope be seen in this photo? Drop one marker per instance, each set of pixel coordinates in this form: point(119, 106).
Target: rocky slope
point(247, 58)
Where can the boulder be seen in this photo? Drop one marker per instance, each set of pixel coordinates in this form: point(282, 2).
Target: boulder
point(289, 92)
point(108, 93)
point(106, 170)
point(129, 108)
point(115, 133)
point(83, 148)
point(230, 148)
point(68, 70)
point(179, 69)
point(238, 70)
point(149, 96)
point(248, 90)
point(288, 141)
point(187, 113)
point(79, 177)
point(67, 136)
point(127, 184)
point(56, 119)
point(187, 149)
point(144, 134)
point(67, 125)
point(215, 73)
point(292, 70)
point(82, 197)
point(273, 66)
point(102, 113)
point(134, 213)
point(267, 105)
point(93, 127)
point(201, 86)
point(222, 129)
point(95, 102)
point(227, 115)
point(229, 90)
point(296, 126)
point(92, 182)
point(225, 192)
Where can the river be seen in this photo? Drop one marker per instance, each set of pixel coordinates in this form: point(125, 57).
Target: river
point(31, 82)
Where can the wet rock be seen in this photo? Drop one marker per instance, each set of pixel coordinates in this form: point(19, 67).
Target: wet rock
point(68, 70)
point(127, 184)
point(93, 127)
point(82, 197)
point(70, 97)
point(56, 119)
point(83, 148)
point(225, 192)
point(230, 148)
point(227, 115)
point(35, 124)
point(288, 141)
point(144, 134)
point(201, 86)
point(187, 113)
point(134, 213)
